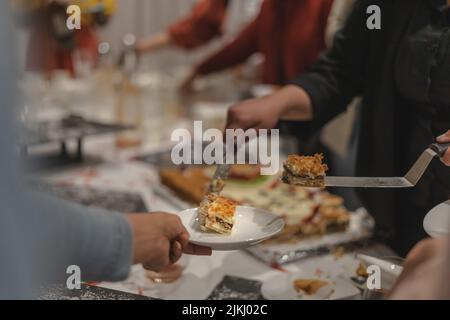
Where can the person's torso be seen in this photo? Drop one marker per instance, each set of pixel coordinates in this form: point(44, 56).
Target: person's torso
point(397, 125)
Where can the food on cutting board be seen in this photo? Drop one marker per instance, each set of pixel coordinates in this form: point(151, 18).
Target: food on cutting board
point(217, 214)
point(189, 184)
point(305, 171)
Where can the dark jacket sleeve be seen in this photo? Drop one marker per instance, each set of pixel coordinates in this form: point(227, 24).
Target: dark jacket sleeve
point(339, 75)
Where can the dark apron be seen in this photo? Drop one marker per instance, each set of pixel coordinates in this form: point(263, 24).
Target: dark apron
point(422, 78)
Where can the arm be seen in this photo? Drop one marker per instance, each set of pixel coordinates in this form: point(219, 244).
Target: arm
point(233, 54)
point(338, 16)
point(41, 236)
point(159, 41)
point(201, 26)
point(98, 241)
point(102, 243)
point(339, 75)
point(321, 93)
point(425, 273)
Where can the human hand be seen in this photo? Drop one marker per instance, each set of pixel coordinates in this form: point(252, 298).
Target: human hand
point(425, 272)
point(159, 239)
point(260, 113)
point(289, 103)
point(445, 138)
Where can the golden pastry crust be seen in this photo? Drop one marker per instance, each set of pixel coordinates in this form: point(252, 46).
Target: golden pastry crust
point(217, 214)
point(190, 184)
point(223, 208)
point(331, 200)
point(306, 166)
point(305, 171)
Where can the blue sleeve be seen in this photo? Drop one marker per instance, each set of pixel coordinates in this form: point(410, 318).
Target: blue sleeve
point(41, 236)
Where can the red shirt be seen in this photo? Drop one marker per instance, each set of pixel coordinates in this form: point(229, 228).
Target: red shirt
point(202, 25)
point(289, 33)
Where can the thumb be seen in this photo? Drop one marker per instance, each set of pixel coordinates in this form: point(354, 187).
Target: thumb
point(174, 228)
point(444, 138)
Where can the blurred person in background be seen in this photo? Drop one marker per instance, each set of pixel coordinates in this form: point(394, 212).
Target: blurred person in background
point(41, 236)
point(289, 34)
point(204, 23)
point(207, 21)
point(406, 104)
point(51, 45)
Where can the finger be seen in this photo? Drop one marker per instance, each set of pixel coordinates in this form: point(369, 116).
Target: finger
point(242, 124)
point(446, 158)
point(263, 125)
point(197, 250)
point(174, 228)
point(444, 138)
point(420, 253)
point(149, 267)
point(184, 239)
point(176, 251)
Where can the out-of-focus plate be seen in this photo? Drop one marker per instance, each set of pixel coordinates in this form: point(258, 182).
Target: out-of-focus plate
point(252, 226)
point(281, 287)
point(437, 221)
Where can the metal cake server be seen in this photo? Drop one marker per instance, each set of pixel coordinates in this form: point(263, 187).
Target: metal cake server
point(410, 180)
point(222, 170)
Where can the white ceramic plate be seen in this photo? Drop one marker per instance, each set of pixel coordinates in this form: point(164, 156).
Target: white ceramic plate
point(252, 226)
point(437, 221)
point(281, 287)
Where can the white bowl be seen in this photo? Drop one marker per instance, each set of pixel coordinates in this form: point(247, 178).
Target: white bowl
point(252, 226)
point(437, 221)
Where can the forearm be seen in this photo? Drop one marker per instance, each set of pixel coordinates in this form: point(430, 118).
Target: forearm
point(159, 41)
point(232, 54)
point(96, 240)
point(294, 104)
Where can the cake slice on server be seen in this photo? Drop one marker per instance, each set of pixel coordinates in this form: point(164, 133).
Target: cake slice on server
point(305, 171)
